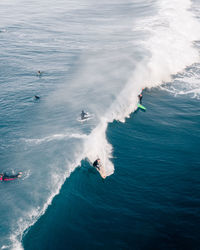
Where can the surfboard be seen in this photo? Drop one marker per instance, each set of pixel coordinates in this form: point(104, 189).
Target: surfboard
point(141, 106)
point(11, 177)
point(83, 120)
point(102, 172)
point(86, 118)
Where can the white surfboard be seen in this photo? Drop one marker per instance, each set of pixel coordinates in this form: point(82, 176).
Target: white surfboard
point(102, 171)
point(86, 118)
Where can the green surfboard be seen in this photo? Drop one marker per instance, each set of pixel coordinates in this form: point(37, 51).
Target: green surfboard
point(141, 106)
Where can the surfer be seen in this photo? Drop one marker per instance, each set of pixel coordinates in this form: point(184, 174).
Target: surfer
point(39, 73)
point(37, 97)
point(140, 98)
point(97, 164)
point(6, 177)
point(83, 114)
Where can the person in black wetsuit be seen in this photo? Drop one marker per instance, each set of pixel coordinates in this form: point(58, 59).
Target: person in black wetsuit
point(97, 164)
point(83, 114)
point(6, 177)
point(37, 97)
point(140, 98)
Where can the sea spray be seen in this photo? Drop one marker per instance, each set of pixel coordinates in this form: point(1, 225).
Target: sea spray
point(23, 224)
point(97, 146)
point(170, 50)
point(171, 34)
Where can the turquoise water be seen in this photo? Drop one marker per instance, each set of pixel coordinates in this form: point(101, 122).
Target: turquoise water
point(98, 57)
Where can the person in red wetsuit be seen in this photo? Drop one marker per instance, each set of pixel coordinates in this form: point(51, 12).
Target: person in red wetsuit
point(5, 177)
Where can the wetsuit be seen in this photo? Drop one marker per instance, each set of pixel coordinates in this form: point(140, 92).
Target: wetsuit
point(5, 177)
point(140, 98)
point(83, 114)
point(96, 165)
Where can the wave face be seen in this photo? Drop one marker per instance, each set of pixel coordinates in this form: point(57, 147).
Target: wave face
point(94, 56)
point(168, 49)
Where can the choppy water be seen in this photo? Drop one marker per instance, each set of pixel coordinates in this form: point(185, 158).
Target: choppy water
point(98, 57)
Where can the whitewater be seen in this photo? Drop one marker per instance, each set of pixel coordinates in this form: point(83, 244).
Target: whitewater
point(95, 56)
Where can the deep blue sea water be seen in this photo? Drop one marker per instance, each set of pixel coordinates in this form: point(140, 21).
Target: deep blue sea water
point(152, 199)
point(98, 57)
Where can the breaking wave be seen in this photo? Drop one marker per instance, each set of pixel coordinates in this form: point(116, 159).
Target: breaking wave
point(170, 49)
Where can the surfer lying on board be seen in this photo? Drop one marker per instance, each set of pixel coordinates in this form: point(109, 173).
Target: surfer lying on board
point(37, 97)
point(97, 164)
point(5, 177)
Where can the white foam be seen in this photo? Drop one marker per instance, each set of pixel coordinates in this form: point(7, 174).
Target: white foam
point(187, 83)
point(97, 146)
point(55, 137)
point(5, 247)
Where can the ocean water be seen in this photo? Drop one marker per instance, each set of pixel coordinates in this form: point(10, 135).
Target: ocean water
point(98, 56)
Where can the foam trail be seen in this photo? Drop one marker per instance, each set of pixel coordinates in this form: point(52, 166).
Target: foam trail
point(97, 146)
point(55, 137)
point(170, 50)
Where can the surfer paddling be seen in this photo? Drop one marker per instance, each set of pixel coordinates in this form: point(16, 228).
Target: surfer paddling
point(5, 177)
point(39, 73)
point(36, 97)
